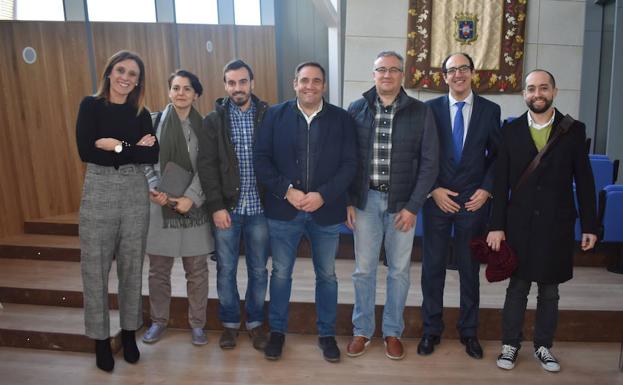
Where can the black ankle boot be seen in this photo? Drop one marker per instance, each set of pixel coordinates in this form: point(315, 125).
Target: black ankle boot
point(130, 350)
point(103, 355)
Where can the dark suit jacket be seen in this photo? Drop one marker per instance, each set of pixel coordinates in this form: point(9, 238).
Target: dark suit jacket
point(277, 160)
point(475, 169)
point(539, 216)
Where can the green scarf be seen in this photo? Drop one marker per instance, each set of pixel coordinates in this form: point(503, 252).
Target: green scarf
point(173, 148)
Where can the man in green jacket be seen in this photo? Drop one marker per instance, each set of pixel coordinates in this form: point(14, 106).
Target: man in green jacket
point(225, 167)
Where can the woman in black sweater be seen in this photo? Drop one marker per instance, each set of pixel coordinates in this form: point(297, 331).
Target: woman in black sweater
point(115, 138)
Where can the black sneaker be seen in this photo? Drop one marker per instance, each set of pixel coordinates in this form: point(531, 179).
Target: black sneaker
point(273, 349)
point(506, 359)
point(330, 351)
point(547, 359)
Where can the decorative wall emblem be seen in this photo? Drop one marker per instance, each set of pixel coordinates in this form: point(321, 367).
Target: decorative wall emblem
point(466, 28)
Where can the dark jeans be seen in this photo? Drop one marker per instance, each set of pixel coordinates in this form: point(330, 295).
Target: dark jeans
point(515, 309)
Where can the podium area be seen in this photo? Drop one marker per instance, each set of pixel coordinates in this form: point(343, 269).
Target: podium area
point(41, 326)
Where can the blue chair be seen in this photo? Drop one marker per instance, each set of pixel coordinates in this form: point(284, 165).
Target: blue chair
point(419, 225)
point(610, 214)
point(344, 229)
point(598, 156)
point(605, 172)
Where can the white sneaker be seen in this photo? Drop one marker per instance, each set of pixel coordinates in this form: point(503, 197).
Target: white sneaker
point(547, 360)
point(154, 333)
point(506, 359)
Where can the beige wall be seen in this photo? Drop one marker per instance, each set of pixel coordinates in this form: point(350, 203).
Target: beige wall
point(554, 36)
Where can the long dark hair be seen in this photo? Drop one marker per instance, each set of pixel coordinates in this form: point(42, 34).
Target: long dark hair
point(137, 97)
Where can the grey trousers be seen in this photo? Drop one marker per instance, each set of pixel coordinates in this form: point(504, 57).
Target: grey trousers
point(196, 269)
point(114, 217)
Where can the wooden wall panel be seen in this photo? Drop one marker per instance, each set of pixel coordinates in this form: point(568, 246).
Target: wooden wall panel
point(208, 66)
point(155, 44)
point(256, 46)
point(41, 173)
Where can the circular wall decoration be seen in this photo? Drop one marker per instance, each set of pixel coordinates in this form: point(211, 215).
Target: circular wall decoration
point(29, 55)
point(209, 46)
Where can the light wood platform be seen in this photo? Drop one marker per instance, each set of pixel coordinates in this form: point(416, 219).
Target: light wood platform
point(591, 298)
point(40, 275)
point(173, 360)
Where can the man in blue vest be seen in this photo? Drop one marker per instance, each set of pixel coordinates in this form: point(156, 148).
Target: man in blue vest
point(398, 164)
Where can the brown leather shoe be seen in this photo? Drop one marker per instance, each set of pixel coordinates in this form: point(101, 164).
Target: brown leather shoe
point(394, 349)
point(357, 346)
point(258, 337)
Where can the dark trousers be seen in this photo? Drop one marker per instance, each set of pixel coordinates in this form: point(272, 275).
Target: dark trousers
point(437, 236)
point(515, 309)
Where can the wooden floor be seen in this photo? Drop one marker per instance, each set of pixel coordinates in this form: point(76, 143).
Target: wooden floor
point(174, 360)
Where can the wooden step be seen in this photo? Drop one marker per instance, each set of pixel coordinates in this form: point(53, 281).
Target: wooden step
point(40, 246)
point(49, 327)
point(591, 298)
point(66, 224)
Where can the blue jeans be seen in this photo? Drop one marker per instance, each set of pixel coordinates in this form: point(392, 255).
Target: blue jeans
point(284, 240)
point(254, 229)
point(371, 225)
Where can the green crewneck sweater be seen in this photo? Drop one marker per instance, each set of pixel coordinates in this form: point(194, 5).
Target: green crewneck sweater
point(540, 136)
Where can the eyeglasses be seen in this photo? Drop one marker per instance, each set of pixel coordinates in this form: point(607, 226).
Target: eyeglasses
point(391, 70)
point(462, 69)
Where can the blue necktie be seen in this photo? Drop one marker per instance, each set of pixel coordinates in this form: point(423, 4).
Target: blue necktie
point(457, 131)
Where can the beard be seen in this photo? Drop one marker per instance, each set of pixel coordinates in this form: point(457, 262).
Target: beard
point(240, 98)
point(539, 110)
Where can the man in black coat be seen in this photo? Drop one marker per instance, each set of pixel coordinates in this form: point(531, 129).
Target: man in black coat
point(537, 218)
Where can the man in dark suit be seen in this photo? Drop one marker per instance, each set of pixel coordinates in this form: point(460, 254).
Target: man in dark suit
point(539, 217)
point(468, 126)
point(305, 157)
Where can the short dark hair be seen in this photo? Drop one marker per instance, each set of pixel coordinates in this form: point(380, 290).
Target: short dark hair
point(551, 77)
point(389, 54)
point(236, 65)
point(469, 58)
point(309, 64)
point(194, 80)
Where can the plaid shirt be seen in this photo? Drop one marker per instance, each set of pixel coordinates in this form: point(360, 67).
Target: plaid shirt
point(242, 123)
point(382, 145)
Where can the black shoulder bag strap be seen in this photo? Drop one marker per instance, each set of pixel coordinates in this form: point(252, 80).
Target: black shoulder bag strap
point(562, 128)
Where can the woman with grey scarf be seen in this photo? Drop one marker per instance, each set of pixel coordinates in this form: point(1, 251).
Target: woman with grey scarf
point(179, 226)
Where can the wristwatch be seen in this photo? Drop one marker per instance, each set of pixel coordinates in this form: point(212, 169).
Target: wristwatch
point(120, 146)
